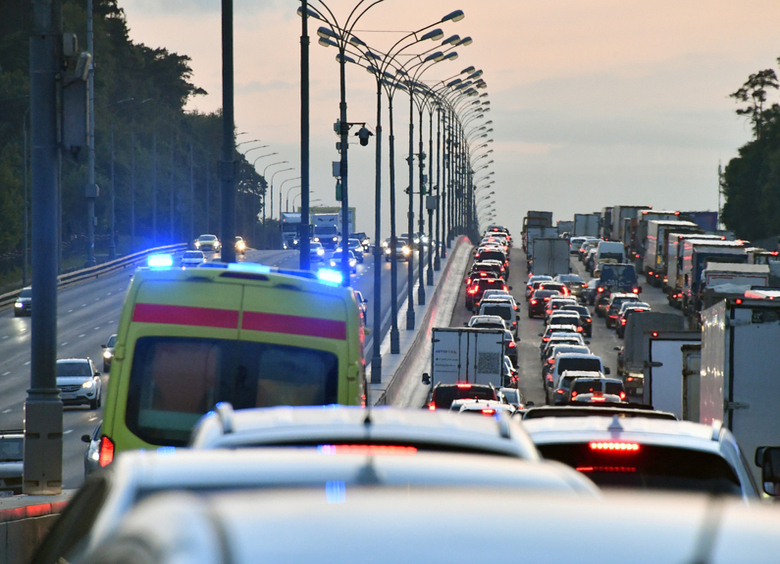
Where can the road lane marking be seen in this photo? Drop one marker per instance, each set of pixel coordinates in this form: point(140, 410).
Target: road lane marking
point(63, 344)
point(27, 363)
point(83, 305)
point(7, 410)
point(6, 373)
point(97, 328)
point(82, 336)
point(92, 418)
point(67, 432)
point(70, 311)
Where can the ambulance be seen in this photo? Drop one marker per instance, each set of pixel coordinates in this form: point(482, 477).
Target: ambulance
point(244, 333)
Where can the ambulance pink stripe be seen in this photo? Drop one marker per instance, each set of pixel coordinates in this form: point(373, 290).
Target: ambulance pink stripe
point(186, 315)
point(294, 325)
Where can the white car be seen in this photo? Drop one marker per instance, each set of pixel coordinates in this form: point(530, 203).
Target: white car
point(638, 452)
point(79, 382)
point(208, 243)
point(192, 258)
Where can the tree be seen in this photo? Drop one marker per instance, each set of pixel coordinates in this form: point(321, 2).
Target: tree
point(753, 92)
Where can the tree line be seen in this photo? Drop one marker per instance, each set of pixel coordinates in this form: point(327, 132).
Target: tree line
point(751, 181)
point(165, 159)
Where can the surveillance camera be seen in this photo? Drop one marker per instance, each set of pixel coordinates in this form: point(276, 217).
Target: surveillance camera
point(363, 134)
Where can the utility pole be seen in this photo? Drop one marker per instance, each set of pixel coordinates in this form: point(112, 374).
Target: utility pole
point(91, 191)
point(227, 166)
point(43, 407)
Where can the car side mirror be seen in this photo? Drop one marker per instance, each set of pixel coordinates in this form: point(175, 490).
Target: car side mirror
point(465, 323)
point(529, 404)
point(606, 370)
point(616, 349)
point(366, 331)
point(426, 379)
point(587, 342)
point(104, 346)
point(768, 458)
point(86, 439)
point(639, 290)
point(510, 287)
point(541, 334)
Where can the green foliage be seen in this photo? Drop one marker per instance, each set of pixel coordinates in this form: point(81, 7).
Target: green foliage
point(751, 182)
point(140, 96)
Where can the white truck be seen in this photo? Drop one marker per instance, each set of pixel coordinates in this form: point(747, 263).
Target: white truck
point(656, 250)
point(326, 229)
point(633, 355)
point(670, 382)
point(466, 354)
point(586, 225)
point(739, 369)
point(550, 257)
point(533, 233)
point(291, 226)
point(564, 228)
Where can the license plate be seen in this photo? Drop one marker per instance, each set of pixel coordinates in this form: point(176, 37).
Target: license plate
point(67, 396)
point(640, 390)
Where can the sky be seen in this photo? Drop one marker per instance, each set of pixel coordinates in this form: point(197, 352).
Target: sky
point(593, 103)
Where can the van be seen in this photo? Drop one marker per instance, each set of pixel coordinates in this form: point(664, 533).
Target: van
point(243, 333)
point(610, 251)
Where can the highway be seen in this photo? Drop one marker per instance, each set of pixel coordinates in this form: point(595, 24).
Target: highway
point(602, 343)
point(88, 314)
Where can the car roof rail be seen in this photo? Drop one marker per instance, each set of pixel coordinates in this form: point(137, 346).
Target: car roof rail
point(225, 414)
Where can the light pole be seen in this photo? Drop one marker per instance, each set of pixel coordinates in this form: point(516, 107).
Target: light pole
point(271, 211)
point(265, 191)
point(280, 193)
point(287, 197)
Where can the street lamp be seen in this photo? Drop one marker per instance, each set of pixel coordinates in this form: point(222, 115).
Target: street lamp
point(280, 193)
point(266, 189)
point(287, 197)
point(271, 189)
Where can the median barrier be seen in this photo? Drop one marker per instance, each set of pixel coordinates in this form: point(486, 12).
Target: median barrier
point(405, 388)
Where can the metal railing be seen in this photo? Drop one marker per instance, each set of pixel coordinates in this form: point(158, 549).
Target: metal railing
point(71, 278)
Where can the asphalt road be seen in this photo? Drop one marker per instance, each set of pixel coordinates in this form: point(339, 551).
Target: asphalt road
point(602, 343)
point(88, 314)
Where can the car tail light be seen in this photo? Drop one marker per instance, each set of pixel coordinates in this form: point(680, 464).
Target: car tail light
point(468, 281)
point(598, 398)
point(464, 386)
point(613, 446)
point(622, 395)
point(545, 339)
point(573, 395)
point(623, 321)
point(635, 290)
point(432, 406)
point(579, 329)
point(511, 345)
point(488, 412)
point(106, 451)
point(599, 289)
point(559, 391)
point(550, 361)
point(546, 298)
point(549, 378)
point(505, 288)
point(629, 379)
point(534, 302)
point(649, 272)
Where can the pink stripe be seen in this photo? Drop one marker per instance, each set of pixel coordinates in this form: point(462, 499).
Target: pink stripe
point(294, 325)
point(186, 315)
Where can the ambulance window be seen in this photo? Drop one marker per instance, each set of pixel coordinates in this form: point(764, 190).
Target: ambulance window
point(175, 380)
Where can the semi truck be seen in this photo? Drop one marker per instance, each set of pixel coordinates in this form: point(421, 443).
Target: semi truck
point(671, 383)
point(739, 369)
point(606, 222)
point(654, 254)
point(620, 216)
point(291, 225)
point(586, 225)
point(533, 233)
point(534, 219)
point(550, 256)
point(466, 355)
point(636, 241)
point(695, 256)
point(674, 250)
point(326, 229)
point(707, 220)
point(564, 228)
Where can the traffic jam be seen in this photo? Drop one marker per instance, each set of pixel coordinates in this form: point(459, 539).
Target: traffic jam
point(223, 393)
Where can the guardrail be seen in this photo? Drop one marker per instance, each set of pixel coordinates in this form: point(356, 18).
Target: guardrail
point(71, 278)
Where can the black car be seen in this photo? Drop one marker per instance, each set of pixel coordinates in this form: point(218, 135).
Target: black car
point(538, 302)
point(23, 304)
point(444, 394)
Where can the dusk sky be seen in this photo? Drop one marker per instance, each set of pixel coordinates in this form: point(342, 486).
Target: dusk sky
point(593, 102)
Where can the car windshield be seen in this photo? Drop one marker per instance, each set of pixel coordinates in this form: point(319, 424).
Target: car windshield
point(111, 341)
point(648, 467)
point(75, 368)
point(208, 238)
point(175, 380)
point(26, 293)
point(193, 254)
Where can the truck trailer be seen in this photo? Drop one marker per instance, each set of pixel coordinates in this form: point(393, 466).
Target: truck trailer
point(466, 355)
point(586, 225)
point(550, 256)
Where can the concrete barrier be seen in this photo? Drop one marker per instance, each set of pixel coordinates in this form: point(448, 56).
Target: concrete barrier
point(25, 521)
point(406, 388)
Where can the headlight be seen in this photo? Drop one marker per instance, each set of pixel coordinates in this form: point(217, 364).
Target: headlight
point(333, 263)
point(316, 239)
point(197, 244)
point(406, 250)
point(384, 244)
point(387, 251)
point(241, 245)
point(295, 241)
point(18, 304)
point(335, 239)
point(352, 262)
point(88, 384)
point(320, 251)
point(107, 354)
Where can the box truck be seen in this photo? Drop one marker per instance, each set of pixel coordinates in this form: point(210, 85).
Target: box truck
point(467, 355)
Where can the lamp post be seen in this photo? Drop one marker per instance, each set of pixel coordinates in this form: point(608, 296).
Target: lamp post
point(287, 197)
point(280, 193)
point(271, 190)
point(265, 191)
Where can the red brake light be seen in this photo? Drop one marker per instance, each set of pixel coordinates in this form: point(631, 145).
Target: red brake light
point(550, 361)
point(106, 451)
point(505, 288)
point(432, 406)
point(579, 329)
point(622, 395)
point(635, 290)
point(511, 345)
point(598, 398)
point(533, 302)
point(649, 272)
point(623, 321)
point(738, 301)
point(573, 395)
point(655, 333)
point(488, 412)
point(613, 446)
point(462, 386)
point(599, 289)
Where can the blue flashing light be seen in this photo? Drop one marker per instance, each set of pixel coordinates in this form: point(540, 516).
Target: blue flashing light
point(166, 451)
point(330, 276)
point(159, 261)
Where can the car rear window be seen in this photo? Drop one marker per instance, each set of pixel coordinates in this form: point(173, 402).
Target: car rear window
point(492, 255)
point(505, 312)
point(443, 396)
point(648, 467)
point(175, 380)
point(592, 364)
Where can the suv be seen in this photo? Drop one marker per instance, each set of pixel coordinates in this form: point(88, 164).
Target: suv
point(538, 302)
point(443, 395)
point(79, 382)
point(363, 238)
point(503, 309)
point(576, 361)
point(587, 389)
point(615, 301)
point(644, 453)
point(475, 290)
point(627, 310)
